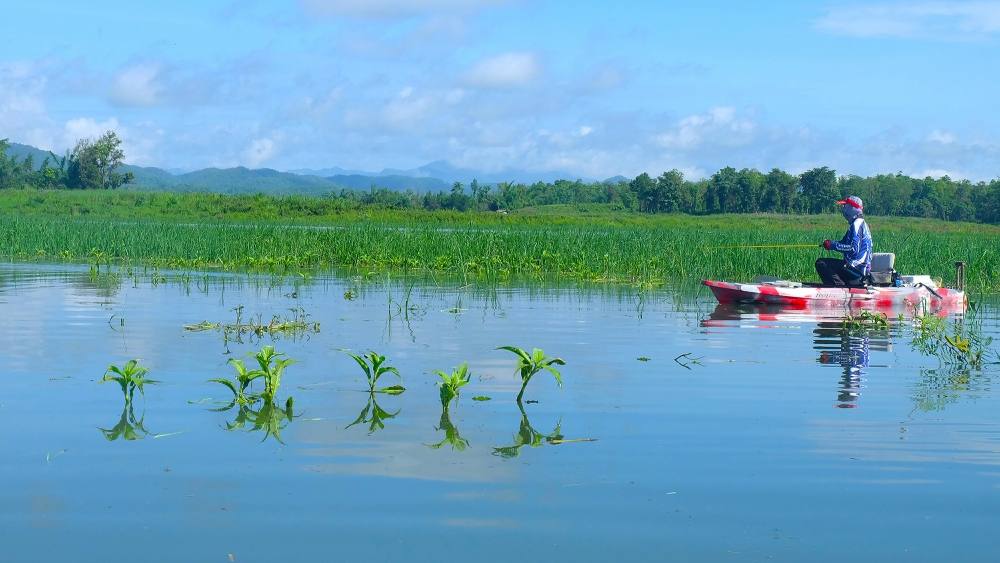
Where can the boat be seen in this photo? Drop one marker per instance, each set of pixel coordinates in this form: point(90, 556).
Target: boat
point(895, 293)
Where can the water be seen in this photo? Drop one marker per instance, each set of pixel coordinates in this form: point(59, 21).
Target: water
point(783, 439)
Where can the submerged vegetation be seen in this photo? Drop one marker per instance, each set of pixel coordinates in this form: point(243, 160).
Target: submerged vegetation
point(296, 325)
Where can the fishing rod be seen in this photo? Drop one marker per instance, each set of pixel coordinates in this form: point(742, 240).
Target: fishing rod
point(769, 246)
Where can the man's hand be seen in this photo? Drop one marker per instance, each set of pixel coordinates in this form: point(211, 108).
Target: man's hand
point(827, 244)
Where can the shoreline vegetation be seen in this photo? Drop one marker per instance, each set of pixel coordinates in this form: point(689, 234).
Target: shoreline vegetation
point(594, 243)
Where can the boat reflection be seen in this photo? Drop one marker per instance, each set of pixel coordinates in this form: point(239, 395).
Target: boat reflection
point(838, 343)
point(849, 349)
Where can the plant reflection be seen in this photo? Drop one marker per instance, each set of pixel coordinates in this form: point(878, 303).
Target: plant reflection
point(373, 415)
point(267, 417)
point(128, 428)
point(451, 435)
point(528, 436)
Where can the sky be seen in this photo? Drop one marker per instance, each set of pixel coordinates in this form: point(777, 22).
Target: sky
point(593, 89)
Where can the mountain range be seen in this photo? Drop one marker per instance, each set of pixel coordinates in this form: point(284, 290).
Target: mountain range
point(432, 177)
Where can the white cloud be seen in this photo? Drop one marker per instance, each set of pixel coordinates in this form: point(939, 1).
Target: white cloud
point(942, 137)
point(720, 126)
point(88, 128)
point(260, 151)
point(506, 70)
point(392, 8)
point(935, 19)
point(137, 85)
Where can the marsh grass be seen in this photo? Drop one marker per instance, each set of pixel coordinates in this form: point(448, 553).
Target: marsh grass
point(616, 248)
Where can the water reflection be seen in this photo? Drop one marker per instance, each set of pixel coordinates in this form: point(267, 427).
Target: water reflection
point(373, 415)
point(850, 350)
point(451, 435)
point(268, 417)
point(129, 427)
point(528, 436)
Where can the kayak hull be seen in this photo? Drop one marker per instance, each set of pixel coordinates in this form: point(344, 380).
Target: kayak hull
point(872, 298)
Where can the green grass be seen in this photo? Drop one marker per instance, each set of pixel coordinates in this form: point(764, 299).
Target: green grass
point(197, 231)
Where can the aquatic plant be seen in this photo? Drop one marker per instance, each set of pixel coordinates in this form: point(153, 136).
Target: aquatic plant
point(272, 366)
point(865, 319)
point(958, 343)
point(373, 366)
point(451, 383)
point(240, 385)
point(530, 364)
point(129, 377)
point(298, 324)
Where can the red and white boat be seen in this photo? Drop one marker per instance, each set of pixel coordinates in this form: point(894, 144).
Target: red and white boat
point(919, 293)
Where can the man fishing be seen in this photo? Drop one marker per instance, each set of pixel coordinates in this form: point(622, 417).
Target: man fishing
point(856, 247)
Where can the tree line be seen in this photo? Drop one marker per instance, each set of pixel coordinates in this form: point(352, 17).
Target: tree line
point(727, 191)
point(94, 164)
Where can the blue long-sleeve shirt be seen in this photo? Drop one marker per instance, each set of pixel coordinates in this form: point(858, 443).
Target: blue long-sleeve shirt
point(857, 246)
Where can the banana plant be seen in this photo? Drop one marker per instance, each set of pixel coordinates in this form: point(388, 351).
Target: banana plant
point(373, 365)
point(530, 364)
point(451, 383)
point(129, 377)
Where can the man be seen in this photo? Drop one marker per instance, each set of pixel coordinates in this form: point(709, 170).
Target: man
point(856, 247)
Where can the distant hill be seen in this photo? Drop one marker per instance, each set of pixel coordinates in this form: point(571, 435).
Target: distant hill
point(432, 177)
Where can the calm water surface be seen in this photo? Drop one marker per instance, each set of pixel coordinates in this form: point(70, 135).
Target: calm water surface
point(784, 438)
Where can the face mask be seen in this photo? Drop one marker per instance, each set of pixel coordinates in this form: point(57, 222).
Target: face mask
point(850, 213)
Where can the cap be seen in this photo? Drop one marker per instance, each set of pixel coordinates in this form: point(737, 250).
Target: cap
point(854, 201)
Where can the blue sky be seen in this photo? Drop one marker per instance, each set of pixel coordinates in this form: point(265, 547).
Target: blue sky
point(591, 88)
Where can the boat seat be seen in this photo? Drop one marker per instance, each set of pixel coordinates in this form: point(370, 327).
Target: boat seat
point(882, 267)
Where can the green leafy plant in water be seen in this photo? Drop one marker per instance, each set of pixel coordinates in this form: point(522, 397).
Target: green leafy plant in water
point(373, 415)
point(129, 427)
point(451, 383)
point(240, 385)
point(866, 320)
point(129, 377)
point(960, 343)
point(374, 367)
point(272, 366)
point(530, 364)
